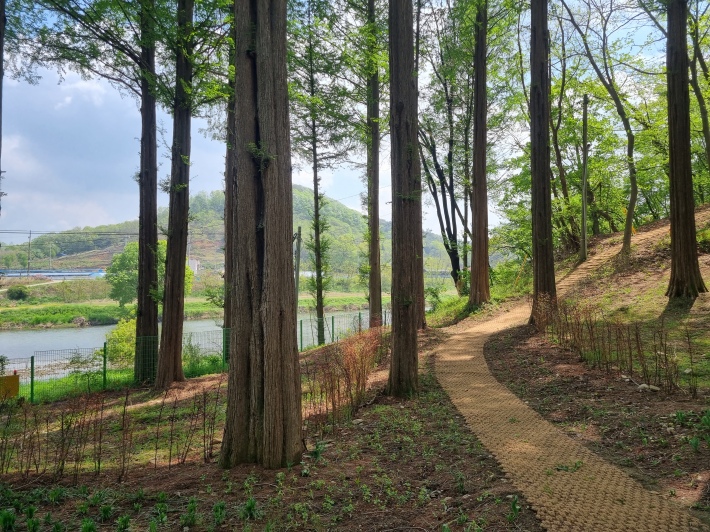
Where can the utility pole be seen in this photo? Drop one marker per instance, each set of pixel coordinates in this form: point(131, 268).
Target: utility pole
point(585, 154)
point(29, 253)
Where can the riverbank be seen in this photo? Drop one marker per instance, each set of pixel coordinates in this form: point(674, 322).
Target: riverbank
point(28, 316)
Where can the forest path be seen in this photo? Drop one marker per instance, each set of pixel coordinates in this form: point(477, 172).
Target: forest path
point(570, 487)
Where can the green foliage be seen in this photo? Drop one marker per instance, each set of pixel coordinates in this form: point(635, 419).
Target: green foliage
point(121, 342)
point(18, 293)
point(122, 274)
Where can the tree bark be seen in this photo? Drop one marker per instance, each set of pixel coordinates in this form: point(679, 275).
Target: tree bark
point(230, 189)
point(406, 202)
point(263, 422)
point(480, 286)
point(170, 357)
point(373, 176)
point(544, 289)
point(147, 308)
point(685, 281)
point(3, 23)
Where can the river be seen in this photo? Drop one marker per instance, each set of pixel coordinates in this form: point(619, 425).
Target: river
point(24, 343)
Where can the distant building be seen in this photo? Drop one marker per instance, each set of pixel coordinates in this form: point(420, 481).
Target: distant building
point(194, 265)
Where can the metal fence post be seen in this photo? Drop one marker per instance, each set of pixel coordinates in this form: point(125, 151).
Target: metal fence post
point(301, 322)
point(104, 366)
point(332, 328)
point(359, 321)
point(32, 379)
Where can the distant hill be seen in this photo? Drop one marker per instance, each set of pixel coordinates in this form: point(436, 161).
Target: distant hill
point(93, 247)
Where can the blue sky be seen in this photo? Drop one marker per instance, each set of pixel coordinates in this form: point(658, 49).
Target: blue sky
point(71, 149)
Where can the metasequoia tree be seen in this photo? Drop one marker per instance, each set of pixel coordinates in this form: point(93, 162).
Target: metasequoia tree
point(407, 274)
point(320, 125)
point(170, 356)
point(685, 281)
point(362, 36)
point(263, 422)
point(480, 291)
point(3, 23)
point(118, 43)
point(544, 289)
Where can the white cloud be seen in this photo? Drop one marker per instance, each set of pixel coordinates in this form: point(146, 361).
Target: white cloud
point(64, 103)
point(89, 90)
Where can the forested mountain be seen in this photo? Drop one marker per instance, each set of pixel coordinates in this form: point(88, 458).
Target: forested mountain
point(94, 246)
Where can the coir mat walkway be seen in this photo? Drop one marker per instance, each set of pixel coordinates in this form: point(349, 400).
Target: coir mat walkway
point(570, 487)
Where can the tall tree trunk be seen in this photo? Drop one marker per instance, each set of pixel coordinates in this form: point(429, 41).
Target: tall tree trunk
point(230, 188)
point(685, 281)
point(544, 289)
point(373, 174)
point(3, 23)
point(406, 202)
point(480, 286)
point(318, 226)
point(170, 359)
point(263, 422)
point(147, 312)
point(419, 272)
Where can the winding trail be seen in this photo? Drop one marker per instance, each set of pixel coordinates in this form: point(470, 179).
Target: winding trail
point(570, 487)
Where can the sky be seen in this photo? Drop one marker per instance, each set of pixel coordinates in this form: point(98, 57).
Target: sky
point(71, 150)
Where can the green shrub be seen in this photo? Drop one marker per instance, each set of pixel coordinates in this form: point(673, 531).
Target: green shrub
point(704, 240)
point(121, 342)
point(18, 293)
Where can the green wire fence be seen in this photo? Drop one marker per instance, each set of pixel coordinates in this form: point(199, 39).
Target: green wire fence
point(59, 373)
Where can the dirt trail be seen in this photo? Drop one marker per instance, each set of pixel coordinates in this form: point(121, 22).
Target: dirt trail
point(570, 487)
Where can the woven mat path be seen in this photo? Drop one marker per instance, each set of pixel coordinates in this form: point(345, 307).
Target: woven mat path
point(570, 487)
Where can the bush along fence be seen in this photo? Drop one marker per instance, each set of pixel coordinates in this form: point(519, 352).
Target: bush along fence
point(51, 375)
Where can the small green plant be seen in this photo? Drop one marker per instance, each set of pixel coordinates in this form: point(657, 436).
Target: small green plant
point(514, 509)
point(48, 519)
point(694, 443)
point(681, 417)
point(161, 510)
point(123, 524)
point(7, 520)
point(189, 518)
point(250, 510)
point(32, 524)
point(56, 495)
point(88, 525)
point(82, 508)
point(59, 527)
point(106, 512)
point(318, 450)
point(219, 512)
point(97, 498)
point(569, 468)
point(705, 420)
